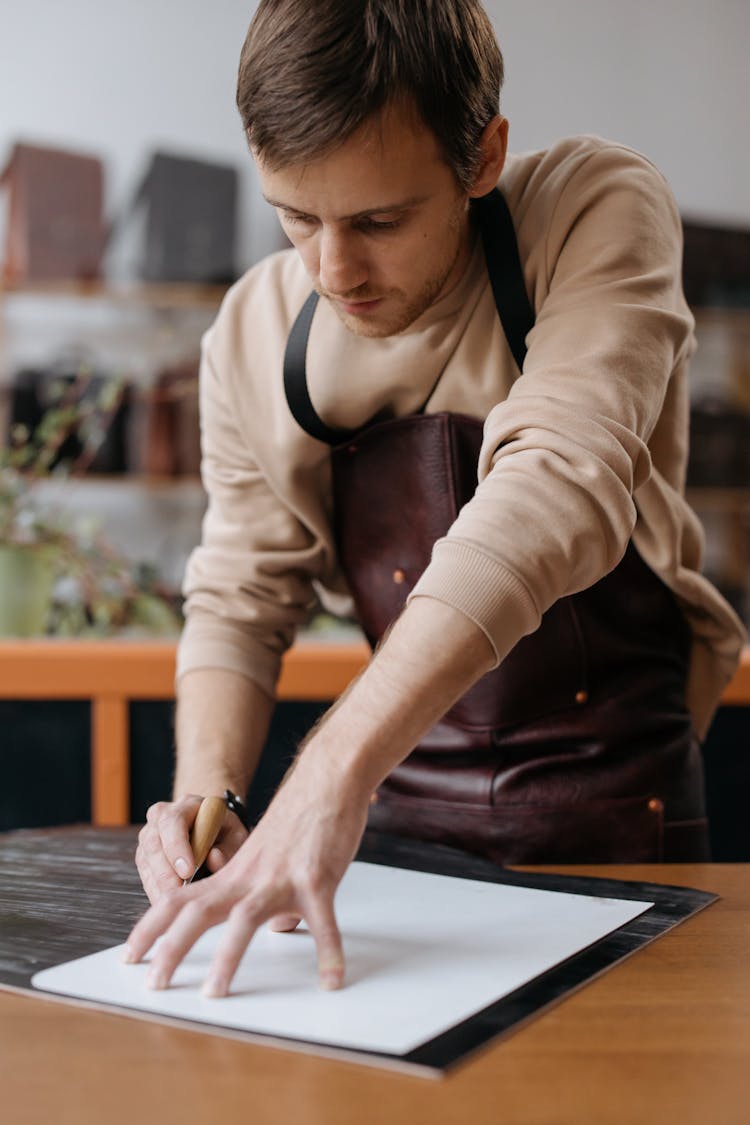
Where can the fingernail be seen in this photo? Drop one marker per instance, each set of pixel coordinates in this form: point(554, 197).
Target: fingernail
point(182, 868)
point(214, 987)
point(128, 956)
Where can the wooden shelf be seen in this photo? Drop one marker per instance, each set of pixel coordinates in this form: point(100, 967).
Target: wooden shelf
point(737, 691)
point(156, 294)
point(730, 498)
point(723, 498)
point(82, 669)
point(187, 482)
point(732, 315)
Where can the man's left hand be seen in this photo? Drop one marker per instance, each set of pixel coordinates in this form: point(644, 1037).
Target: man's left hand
point(289, 867)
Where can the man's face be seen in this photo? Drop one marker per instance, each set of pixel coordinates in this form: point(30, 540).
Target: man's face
point(380, 223)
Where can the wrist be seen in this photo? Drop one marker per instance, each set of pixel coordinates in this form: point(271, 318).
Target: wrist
point(430, 658)
point(211, 782)
point(346, 754)
point(237, 806)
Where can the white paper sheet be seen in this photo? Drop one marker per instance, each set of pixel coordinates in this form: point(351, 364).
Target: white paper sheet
point(423, 952)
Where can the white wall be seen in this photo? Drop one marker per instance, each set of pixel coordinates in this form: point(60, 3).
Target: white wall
point(669, 77)
point(121, 78)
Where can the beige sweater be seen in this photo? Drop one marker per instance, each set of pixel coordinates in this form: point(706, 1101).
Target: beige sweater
point(586, 449)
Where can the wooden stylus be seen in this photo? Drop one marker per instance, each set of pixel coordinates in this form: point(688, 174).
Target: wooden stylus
point(208, 821)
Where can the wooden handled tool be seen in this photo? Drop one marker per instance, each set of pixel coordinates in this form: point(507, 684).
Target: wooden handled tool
point(206, 827)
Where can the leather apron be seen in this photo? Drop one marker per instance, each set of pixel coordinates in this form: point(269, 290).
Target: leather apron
point(578, 747)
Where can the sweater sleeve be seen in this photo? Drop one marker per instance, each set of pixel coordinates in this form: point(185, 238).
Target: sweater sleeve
point(564, 454)
point(248, 586)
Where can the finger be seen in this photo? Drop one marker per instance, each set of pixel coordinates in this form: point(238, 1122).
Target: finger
point(152, 891)
point(150, 857)
point(244, 920)
point(321, 919)
point(229, 841)
point(216, 859)
point(195, 917)
point(284, 923)
point(147, 880)
point(174, 827)
point(153, 923)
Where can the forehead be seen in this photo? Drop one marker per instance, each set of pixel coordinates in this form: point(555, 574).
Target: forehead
point(393, 156)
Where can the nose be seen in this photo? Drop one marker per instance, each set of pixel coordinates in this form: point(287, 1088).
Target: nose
point(341, 265)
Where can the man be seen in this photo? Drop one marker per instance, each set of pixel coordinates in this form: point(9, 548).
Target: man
point(377, 136)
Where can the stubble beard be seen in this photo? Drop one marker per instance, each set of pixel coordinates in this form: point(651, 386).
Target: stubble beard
point(404, 311)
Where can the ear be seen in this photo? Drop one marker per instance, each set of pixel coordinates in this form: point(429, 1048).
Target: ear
point(493, 146)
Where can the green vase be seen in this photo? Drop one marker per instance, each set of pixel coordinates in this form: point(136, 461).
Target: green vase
point(27, 576)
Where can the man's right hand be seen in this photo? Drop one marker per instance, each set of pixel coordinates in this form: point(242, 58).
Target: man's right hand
point(164, 858)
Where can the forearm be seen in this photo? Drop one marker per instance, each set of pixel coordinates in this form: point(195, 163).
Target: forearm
point(222, 724)
point(432, 655)
point(291, 864)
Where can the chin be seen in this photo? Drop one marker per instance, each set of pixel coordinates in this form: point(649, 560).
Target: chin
point(373, 331)
point(378, 327)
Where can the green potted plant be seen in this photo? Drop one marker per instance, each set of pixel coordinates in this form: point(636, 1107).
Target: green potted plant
point(57, 576)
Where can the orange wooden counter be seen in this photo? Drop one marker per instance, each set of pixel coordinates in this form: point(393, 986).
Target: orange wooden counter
point(110, 673)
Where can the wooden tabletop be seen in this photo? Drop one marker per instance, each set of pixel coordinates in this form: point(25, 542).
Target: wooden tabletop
point(664, 1036)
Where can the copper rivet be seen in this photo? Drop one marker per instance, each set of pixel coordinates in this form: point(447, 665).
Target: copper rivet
point(582, 697)
point(655, 805)
point(399, 577)
point(374, 799)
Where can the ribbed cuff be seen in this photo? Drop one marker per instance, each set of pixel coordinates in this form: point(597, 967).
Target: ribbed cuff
point(215, 642)
point(461, 575)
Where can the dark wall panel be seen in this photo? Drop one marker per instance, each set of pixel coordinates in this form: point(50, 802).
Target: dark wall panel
point(45, 778)
point(727, 759)
point(44, 763)
point(152, 752)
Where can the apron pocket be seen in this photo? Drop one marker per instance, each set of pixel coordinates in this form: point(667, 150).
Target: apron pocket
point(611, 830)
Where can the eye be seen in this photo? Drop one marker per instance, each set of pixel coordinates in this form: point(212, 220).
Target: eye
point(297, 219)
point(375, 225)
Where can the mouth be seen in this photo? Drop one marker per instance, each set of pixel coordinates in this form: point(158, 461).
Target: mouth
point(359, 308)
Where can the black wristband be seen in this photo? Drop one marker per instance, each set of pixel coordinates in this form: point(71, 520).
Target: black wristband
point(236, 805)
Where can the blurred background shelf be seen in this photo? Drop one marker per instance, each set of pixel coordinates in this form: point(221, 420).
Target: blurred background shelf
point(162, 295)
point(148, 335)
point(727, 498)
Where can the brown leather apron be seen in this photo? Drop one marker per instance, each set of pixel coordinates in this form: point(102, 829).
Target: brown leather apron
point(579, 746)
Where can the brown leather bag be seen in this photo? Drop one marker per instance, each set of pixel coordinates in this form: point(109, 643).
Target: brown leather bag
point(165, 433)
point(55, 228)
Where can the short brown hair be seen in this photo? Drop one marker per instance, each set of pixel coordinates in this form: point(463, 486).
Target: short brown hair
point(312, 71)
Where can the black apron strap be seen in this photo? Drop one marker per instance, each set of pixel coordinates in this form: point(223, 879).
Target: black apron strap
point(508, 288)
point(505, 272)
point(295, 379)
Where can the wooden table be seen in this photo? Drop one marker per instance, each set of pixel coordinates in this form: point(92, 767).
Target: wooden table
point(111, 673)
point(663, 1037)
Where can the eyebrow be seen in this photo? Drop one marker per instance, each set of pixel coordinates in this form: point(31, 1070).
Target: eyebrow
point(402, 205)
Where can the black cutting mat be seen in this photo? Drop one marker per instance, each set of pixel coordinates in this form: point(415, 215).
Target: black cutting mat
point(66, 893)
